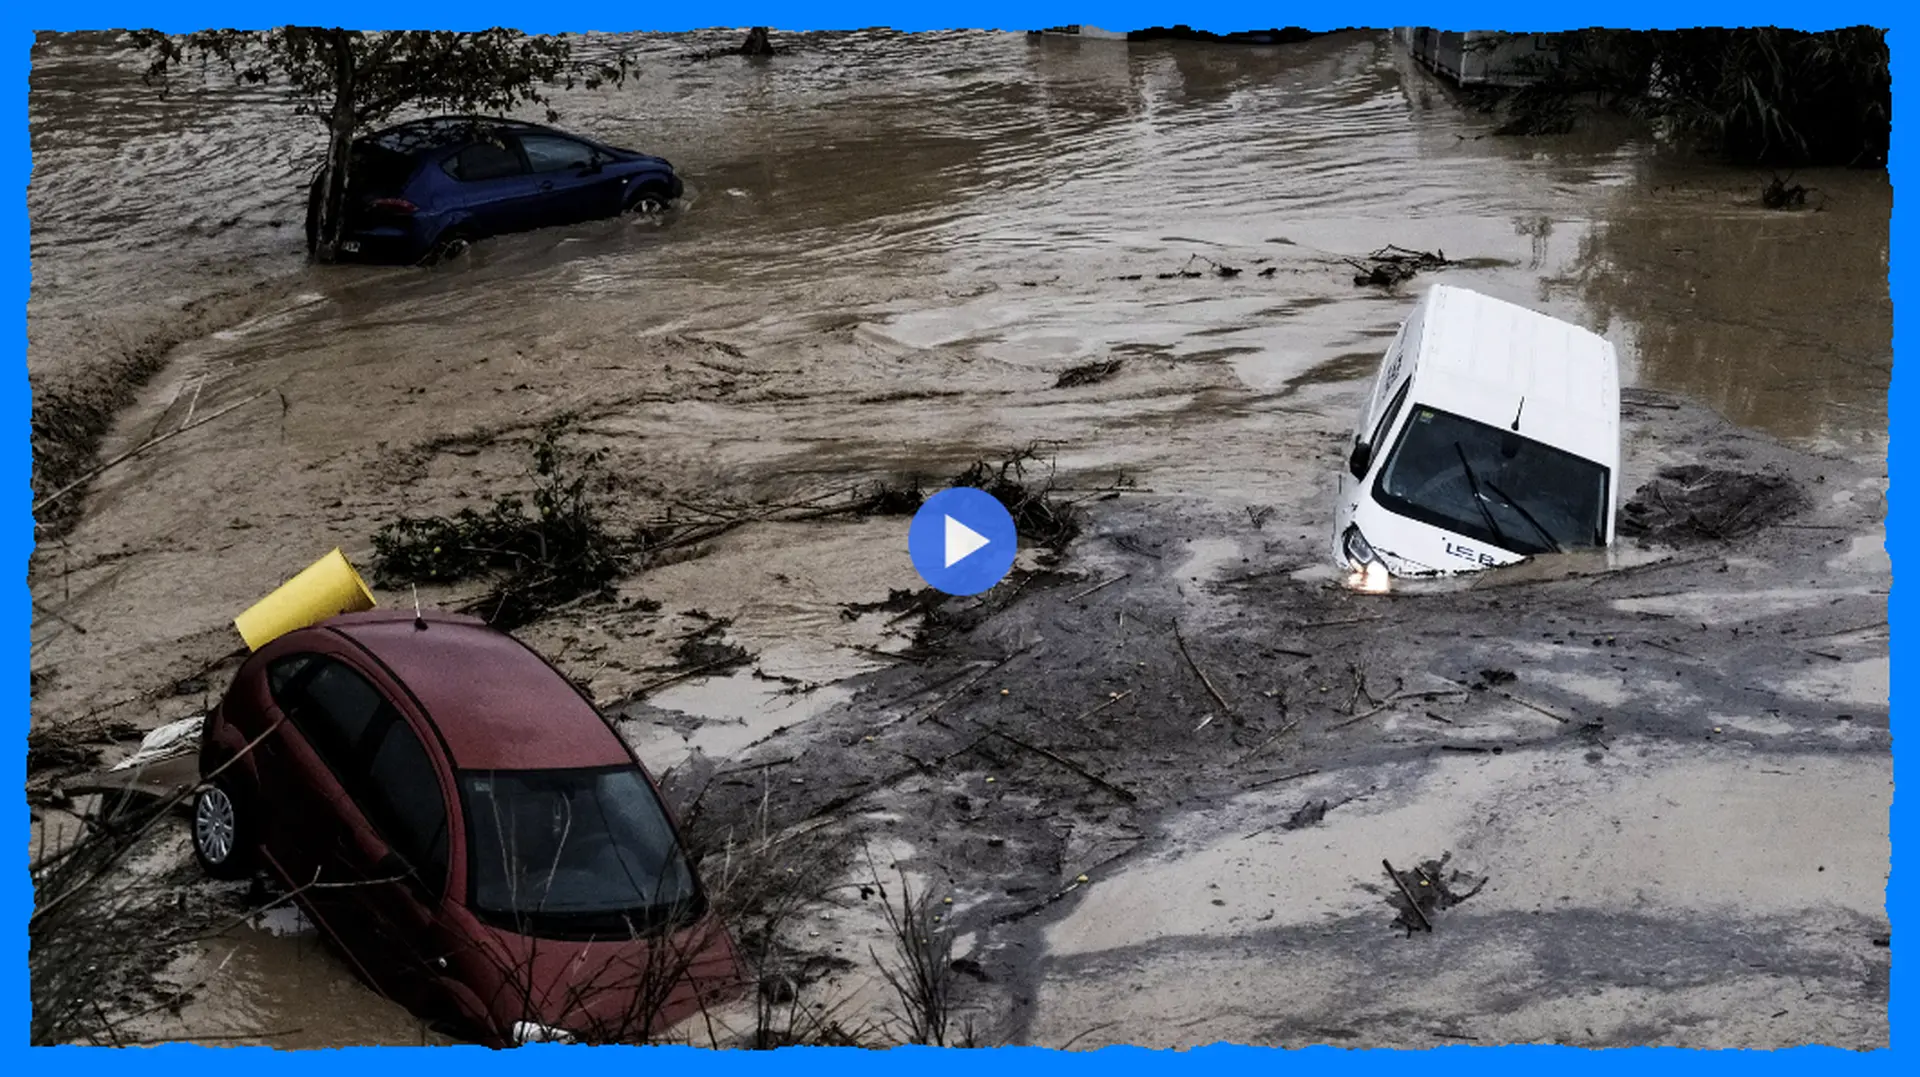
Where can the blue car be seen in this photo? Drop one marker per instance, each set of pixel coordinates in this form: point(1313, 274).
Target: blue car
point(421, 191)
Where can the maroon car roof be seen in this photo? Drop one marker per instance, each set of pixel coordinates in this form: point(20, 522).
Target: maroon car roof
point(498, 705)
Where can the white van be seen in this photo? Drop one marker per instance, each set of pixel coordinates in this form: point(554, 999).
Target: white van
point(1492, 434)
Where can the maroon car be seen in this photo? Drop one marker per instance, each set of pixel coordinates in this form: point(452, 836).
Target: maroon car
point(462, 821)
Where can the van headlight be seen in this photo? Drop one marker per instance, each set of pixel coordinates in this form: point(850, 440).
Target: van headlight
point(525, 1032)
point(1369, 568)
point(1358, 550)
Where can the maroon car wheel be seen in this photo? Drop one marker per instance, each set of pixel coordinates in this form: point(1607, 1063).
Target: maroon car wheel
point(219, 833)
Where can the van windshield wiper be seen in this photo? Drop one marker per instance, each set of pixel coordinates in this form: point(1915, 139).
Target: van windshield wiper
point(1527, 516)
point(1479, 501)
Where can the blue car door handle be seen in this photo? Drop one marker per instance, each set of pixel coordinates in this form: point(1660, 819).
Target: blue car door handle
point(546, 185)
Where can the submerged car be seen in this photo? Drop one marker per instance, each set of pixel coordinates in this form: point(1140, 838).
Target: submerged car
point(1491, 435)
point(423, 190)
point(465, 825)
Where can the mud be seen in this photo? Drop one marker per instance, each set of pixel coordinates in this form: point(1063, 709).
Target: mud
point(1097, 759)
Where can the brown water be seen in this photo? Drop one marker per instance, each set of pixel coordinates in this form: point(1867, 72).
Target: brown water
point(891, 247)
point(910, 180)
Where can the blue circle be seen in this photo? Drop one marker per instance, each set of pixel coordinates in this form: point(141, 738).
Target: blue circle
point(983, 541)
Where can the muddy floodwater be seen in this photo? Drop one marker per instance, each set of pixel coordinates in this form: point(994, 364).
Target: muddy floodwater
point(891, 249)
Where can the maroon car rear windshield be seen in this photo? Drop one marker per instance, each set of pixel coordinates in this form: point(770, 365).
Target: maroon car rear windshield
point(575, 852)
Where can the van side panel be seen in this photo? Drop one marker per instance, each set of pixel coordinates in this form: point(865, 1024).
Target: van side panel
point(1396, 365)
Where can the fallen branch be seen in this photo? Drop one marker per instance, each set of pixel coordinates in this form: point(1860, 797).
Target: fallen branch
point(1096, 779)
point(100, 469)
point(1096, 710)
point(891, 656)
point(1215, 692)
point(845, 799)
point(1307, 773)
point(212, 1037)
point(1021, 914)
point(956, 693)
point(687, 674)
point(1262, 746)
point(1536, 707)
point(1338, 621)
point(58, 616)
point(1098, 586)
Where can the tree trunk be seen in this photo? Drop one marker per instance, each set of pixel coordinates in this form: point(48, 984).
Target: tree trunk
point(333, 182)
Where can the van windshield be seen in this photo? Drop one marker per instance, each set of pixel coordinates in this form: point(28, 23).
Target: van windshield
point(575, 852)
point(1493, 485)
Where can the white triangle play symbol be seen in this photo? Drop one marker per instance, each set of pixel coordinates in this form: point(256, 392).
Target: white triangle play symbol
point(962, 541)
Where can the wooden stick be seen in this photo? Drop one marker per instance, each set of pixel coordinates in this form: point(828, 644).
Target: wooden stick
point(1307, 773)
point(137, 450)
point(1096, 779)
point(647, 689)
point(1098, 586)
point(1337, 621)
point(955, 694)
point(1408, 894)
point(58, 616)
point(891, 656)
point(1363, 715)
point(1263, 744)
point(1083, 717)
point(1218, 698)
point(1021, 914)
point(1537, 707)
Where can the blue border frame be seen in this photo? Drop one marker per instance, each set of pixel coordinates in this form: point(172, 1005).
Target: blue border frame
point(562, 15)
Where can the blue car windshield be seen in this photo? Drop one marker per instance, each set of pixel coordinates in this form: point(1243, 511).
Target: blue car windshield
point(1493, 485)
point(575, 852)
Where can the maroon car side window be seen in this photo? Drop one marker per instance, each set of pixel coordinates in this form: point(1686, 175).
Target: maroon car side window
point(332, 708)
point(282, 675)
point(404, 800)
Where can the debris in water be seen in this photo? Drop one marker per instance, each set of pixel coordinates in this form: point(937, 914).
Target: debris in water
point(1308, 814)
point(1391, 265)
point(1783, 194)
point(889, 499)
point(51, 748)
point(758, 43)
point(1286, 35)
point(1427, 889)
point(538, 560)
point(174, 738)
point(1545, 111)
point(1492, 677)
point(1693, 501)
point(967, 966)
point(1188, 272)
point(190, 686)
point(1037, 514)
point(1087, 374)
point(708, 649)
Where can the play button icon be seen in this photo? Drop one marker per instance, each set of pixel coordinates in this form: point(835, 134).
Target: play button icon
point(962, 541)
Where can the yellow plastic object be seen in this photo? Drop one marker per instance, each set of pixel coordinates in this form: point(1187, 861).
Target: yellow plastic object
point(323, 589)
